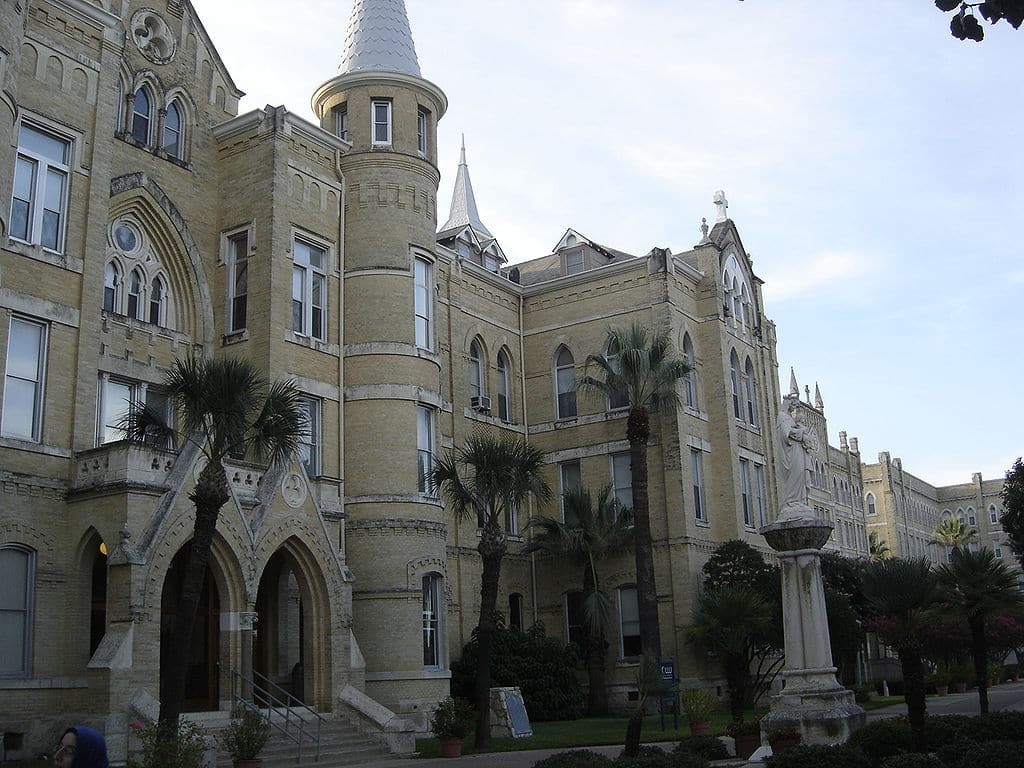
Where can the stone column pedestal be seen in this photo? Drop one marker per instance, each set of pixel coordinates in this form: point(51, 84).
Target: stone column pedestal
point(813, 702)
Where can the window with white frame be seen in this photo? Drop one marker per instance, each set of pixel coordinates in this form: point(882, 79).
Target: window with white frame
point(751, 381)
point(174, 126)
point(690, 380)
point(380, 110)
point(972, 520)
point(112, 287)
point(135, 284)
point(424, 446)
point(569, 479)
point(158, 301)
point(309, 289)
point(993, 514)
point(40, 197)
point(629, 623)
point(238, 281)
point(512, 519)
point(421, 130)
point(998, 550)
point(574, 618)
point(870, 499)
point(423, 301)
point(618, 400)
point(504, 386)
point(565, 384)
point(142, 115)
point(574, 261)
point(477, 369)
point(341, 121)
point(24, 380)
point(622, 483)
point(762, 499)
point(17, 580)
point(432, 624)
point(117, 398)
point(309, 442)
point(145, 293)
point(700, 510)
point(734, 381)
point(745, 495)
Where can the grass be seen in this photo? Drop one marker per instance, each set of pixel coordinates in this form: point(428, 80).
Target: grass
point(586, 732)
point(877, 702)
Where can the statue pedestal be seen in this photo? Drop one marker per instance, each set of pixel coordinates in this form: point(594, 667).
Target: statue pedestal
point(813, 702)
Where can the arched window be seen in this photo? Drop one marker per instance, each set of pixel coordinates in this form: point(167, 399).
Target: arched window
point(690, 380)
point(142, 115)
point(746, 307)
point(737, 302)
point(158, 302)
point(565, 384)
point(751, 393)
point(620, 399)
point(432, 620)
point(477, 379)
point(17, 564)
point(734, 378)
point(135, 294)
point(971, 519)
point(112, 287)
point(172, 141)
point(993, 515)
point(504, 387)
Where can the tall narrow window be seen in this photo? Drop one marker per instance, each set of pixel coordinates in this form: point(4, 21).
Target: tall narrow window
point(309, 290)
point(690, 380)
point(971, 519)
point(620, 399)
point(142, 115)
point(23, 383)
point(762, 499)
point(747, 500)
point(17, 577)
point(158, 302)
point(421, 131)
point(511, 519)
point(135, 294)
point(309, 442)
point(39, 201)
point(116, 399)
point(424, 446)
point(629, 623)
point(504, 387)
point(871, 503)
point(734, 380)
point(700, 511)
point(565, 384)
point(574, 618)
point(515, 611)
point(341, 121)
point(423, 300)
point(238, 281)
point(432, 620)
point(622, 483)
point(381, 109)
point(172, 143)
point(751, 381)
point(569, 479)
point(98, 612)
point(993, 515)
point(477, 377)
point(112, 287)
point(574, 261)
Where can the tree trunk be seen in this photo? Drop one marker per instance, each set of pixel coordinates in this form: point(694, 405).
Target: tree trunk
point(979, 650)
point(913, 694)
point(638, 430)
point(736, 671)
point(595, 648)
point(209, 495)
point(633, 728)
point(491, 548)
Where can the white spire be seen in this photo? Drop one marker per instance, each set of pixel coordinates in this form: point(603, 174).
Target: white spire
point(379, 38)
point(463, 211)
point(793, 388)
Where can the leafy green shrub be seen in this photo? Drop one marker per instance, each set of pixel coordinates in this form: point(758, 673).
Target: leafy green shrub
point(576, 758)
point(882, 739)
point(690, 760)
point(245, 736)
point(648, 757)
point(453, 719)
point(863, 694)
point(542, 667)
point(912, 760)
point(162, 748)
point(710, 747)
point(819, 756)
point(1004, 754)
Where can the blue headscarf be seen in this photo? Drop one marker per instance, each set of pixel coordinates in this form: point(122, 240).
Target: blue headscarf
point(90, 748)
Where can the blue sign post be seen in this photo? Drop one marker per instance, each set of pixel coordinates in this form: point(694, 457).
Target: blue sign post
point(670, 696)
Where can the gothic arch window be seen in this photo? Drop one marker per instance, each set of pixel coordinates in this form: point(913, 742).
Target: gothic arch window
point(172, 142)
point(690, 380)
point(971, 519)
point(112, 287)
point(737, 302)
point(734, 381)
point(142, 115)
point(477, 372)
point(433, 624)
point(158, 301)
point(993, 515)
point(135, 283)
point(751, 393)
point(504, 386)
point(565, 384)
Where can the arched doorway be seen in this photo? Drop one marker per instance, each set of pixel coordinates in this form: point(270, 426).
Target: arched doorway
point(280, 645)
point(202, 685)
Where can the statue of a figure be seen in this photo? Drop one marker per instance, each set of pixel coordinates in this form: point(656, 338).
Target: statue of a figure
point(795, 442)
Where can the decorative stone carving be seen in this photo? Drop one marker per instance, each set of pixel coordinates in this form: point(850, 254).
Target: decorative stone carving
point(795, 441)
point(721, 206)
point(152, 36)
point(293, 490)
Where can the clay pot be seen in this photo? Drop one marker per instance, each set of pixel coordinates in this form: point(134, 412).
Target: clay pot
point(746, 743)
point(451, 747)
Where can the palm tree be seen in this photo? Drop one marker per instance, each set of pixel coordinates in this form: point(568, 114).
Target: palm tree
point(588, 535)
point(899, 594)
point(485, 480)
point(953, 534)
point(735, 624)
point(641, 368)
point(223, 407)
point(877, 548)
point(978, 587)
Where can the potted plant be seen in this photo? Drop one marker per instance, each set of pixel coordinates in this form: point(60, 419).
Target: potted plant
point(698, 705)
point(244, 739)
point(995, 673)
point(451, 723)
point(958, 678)
point(783, 739)
point(939, 679)
point(746, 737)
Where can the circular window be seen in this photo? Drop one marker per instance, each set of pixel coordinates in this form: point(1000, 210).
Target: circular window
point(126, 238)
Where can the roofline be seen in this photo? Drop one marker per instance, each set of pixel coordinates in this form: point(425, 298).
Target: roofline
point(371, 77)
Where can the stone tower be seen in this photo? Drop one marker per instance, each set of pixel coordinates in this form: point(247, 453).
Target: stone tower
point(391, 366)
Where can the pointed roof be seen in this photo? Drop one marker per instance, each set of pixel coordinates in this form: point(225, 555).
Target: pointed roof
point(818, 402)
point(463, 211)
point(793, 388)
point(379, 38)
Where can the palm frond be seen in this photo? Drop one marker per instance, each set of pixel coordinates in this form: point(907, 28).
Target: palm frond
point(277, 430)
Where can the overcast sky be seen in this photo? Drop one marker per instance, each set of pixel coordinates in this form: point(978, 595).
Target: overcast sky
point(872, 163)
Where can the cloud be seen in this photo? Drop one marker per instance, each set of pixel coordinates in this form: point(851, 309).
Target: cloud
point(820, 271)
point(1015, 278)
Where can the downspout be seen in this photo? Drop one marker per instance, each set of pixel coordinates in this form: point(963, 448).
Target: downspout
point(526, 436)
point(342, 548)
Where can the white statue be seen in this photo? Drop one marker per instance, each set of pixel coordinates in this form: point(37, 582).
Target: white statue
point(795, 442)
point(721, 204)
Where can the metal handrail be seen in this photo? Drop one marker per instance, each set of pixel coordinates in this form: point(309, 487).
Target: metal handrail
point(262, 689)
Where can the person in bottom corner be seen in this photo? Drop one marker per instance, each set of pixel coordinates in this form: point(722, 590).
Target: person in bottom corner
point(81, 747)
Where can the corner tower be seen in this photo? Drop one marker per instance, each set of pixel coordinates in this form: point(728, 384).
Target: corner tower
point(395, 530)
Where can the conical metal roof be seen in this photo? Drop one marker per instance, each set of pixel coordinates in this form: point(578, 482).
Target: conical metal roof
point(379, 38)
point(463, 212)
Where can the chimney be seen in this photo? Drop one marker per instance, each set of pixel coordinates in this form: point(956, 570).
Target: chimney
point(842, 441)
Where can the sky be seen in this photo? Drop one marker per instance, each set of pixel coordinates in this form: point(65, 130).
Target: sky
point(872, 165)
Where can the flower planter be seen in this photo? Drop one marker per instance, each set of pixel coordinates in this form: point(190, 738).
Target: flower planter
point(700, 729)
point(746, 743)
point(451, 747)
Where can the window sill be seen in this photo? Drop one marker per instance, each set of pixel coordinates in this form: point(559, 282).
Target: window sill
point(32, 446)
point(235, 337)
point(314, 344)
point(627, 663)
point(566, 421)
point(702, 523)
point(127, 138)
point(39, 253)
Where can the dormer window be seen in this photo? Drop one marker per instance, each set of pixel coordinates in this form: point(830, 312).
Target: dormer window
point(381, 128)
point(490, 263)
point(574, 261)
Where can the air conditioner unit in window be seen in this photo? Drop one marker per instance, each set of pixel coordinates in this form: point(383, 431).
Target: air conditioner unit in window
point(482, 404)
